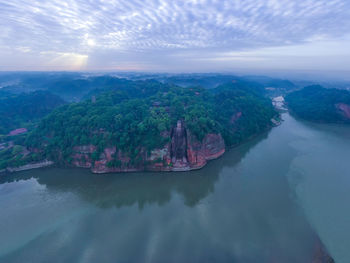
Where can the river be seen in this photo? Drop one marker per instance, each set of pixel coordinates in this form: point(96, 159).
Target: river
point(268, 200)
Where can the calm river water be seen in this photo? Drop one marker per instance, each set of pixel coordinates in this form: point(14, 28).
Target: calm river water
point(265, 201)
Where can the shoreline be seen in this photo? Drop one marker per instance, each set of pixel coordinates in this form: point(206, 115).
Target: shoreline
point(48, 163)
point(31, 166)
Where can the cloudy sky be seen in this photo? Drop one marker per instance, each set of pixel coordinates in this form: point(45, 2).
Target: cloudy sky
point(174, 35)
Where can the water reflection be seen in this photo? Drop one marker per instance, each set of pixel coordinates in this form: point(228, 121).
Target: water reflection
point(127, 189)
point(320, 176)
point(237, 209)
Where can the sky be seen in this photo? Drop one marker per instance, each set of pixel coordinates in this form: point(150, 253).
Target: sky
point(175, 35)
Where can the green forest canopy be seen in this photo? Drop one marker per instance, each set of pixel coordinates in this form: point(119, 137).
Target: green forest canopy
point(129, 121)
point(20, 110)
point(318, 104)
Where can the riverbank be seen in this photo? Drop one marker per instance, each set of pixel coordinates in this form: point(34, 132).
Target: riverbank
point(182, 154)
point(45, 163)
point(266, 200)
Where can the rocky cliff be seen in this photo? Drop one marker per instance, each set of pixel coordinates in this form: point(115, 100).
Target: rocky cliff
point(183, 152)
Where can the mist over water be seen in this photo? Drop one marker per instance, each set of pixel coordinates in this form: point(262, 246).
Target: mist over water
point(265, 201)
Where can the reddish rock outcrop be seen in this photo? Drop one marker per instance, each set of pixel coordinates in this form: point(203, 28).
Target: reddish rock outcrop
point(184, 152)
point(82, 156)
point(345, 109)
point(211, 147)
point(320, 254)
point(108, 155)
point(18, 131)
point(236, 117)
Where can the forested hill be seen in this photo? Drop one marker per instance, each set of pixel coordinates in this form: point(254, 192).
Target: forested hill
point(73, 87)
point(16, 110)
point(137, 125)
point(315, 103)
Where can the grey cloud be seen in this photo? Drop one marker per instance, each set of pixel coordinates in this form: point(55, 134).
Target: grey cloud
point(147, 28)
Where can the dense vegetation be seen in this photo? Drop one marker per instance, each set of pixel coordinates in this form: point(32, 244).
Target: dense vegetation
point(132, 115)
point(75, 86)
point(14, 154)
point(72, 87)
point(133, 118)
point(21, 110)
point(318, 104)
point(209, 81)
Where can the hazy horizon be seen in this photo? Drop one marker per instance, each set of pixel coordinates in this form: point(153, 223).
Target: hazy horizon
point(301, 75)
point(247, 37)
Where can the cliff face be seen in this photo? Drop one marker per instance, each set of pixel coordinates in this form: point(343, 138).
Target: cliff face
point(178, 151)
point(183, 153)
point(211, 147)
point(82, 156)
point(188, 153)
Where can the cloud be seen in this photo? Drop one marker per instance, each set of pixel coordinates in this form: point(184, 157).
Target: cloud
point(68, 61)
point(165, 27)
